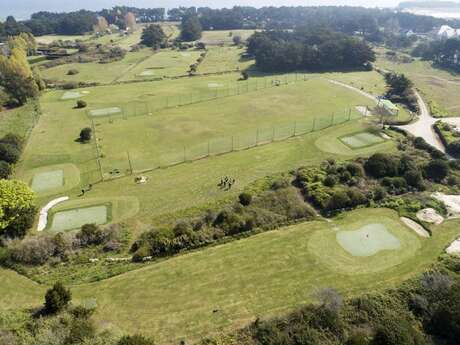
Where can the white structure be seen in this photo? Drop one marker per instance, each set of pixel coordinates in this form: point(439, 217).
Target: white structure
point(447, 32)
point(43, 219)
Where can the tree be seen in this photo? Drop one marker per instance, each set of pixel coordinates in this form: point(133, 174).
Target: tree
point(236, 40)
point(9, 153)
point(245, 199)
point(57, 298)
point(5, 170)
point(90, 234)
point(16, 76)
point(135, 340)
point(190, 28)
point(380, 165)
point(130, 20)
point(80, 105)
point(101, 25)
point(17, 208)
point(153, 36)
point(454, 148)
point(85, 134)
point(437, 170)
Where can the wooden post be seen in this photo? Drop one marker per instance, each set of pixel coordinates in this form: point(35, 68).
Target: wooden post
point(295, 126)
point(130, 163)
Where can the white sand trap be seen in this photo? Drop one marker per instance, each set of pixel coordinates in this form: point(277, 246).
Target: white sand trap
point(43, 218)
point(105, 111)
point(454, 248)
point(452, 203)
point(147, 73)
point(71, 95)
point(214, 85)
point(368, 240)
point(415, 226)
point(430, 215)
point(47, 180)
point(185, 54)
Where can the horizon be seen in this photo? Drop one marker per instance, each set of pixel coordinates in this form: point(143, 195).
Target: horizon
point(24, 8)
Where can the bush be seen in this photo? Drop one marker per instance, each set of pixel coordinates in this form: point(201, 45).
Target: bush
point(70, 85)
point(396, 185)
point(379, 193)
point(80, 329)
point(330, 181)
point(381, 165)
point(245, 199)
point(437, 170)
point(393, 331)
point(135, 340)
point(14, 140)
point(9, 153)
point(86, 134)
point(81, 104)
point(34, 250)
point(339, 200)
point(57, 298)
point(355, 169)
point(73, 71)
point(90, 234)
point(5, 170)
point(413, 178)
point(454, 148)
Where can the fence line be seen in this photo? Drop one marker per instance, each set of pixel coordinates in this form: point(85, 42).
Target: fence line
point(216, 147)
point(131, 109)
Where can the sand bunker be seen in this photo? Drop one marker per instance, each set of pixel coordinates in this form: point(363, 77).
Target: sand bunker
point(368, 240)
point(454, 248)
point(105, 111)
point(429, 215)
point(43, 219)
point(415, 226)
point(452, 203)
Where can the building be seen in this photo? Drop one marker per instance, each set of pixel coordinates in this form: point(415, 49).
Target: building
point(446, 32)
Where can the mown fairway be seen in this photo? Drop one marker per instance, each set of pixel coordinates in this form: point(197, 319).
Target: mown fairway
point(227, 286)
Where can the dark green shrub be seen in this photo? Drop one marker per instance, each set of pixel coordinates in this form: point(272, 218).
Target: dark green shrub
point(90, 234)
point(57, 298)
point(339, 200)
point(141, 253)
point(381, 165)
point(345, 176)
point(454, 148)
point(393, 331)
point(72, 71)
point(413, 178)
point(9, 153)
point(81, 104)
point(379, 193)
point(356, 197)
point(280, 183)
point(437, 170)
point(135, 340)
point(85, 134)
point(451, 180)
point(396, 185)
point(446, 319)
point(5, 170)
point(330, 181)
point(245, 199)
point(355, 169)
point(14, 140)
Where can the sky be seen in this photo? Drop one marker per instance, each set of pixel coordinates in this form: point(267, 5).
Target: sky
point(22, 9)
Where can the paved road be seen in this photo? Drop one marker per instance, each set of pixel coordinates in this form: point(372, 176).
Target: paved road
point(423, 127)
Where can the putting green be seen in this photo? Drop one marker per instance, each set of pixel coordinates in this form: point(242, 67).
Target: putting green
point(75, 218)
point(51, 179)
point(47, 180)
point(368, 240)
point(71, 95)
point(73, 214)
point(105, 111)
point(358, 246)
point(362, 139)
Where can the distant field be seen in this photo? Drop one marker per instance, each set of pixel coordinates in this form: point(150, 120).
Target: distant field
point(224, 37)
point(225, 58)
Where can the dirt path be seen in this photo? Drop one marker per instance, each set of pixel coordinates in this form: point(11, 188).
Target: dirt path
point(365, 94)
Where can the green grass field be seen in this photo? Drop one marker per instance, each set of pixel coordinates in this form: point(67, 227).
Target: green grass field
point(266, 274)
point(435, 84)
point(224, 58)
point(224, 37)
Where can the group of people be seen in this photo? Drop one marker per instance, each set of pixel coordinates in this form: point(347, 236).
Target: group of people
point(226, 183)
point(84, 190)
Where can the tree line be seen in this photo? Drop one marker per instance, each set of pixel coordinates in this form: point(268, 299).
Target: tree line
point(367, 22)
point(444, 53)
point(282, 51)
